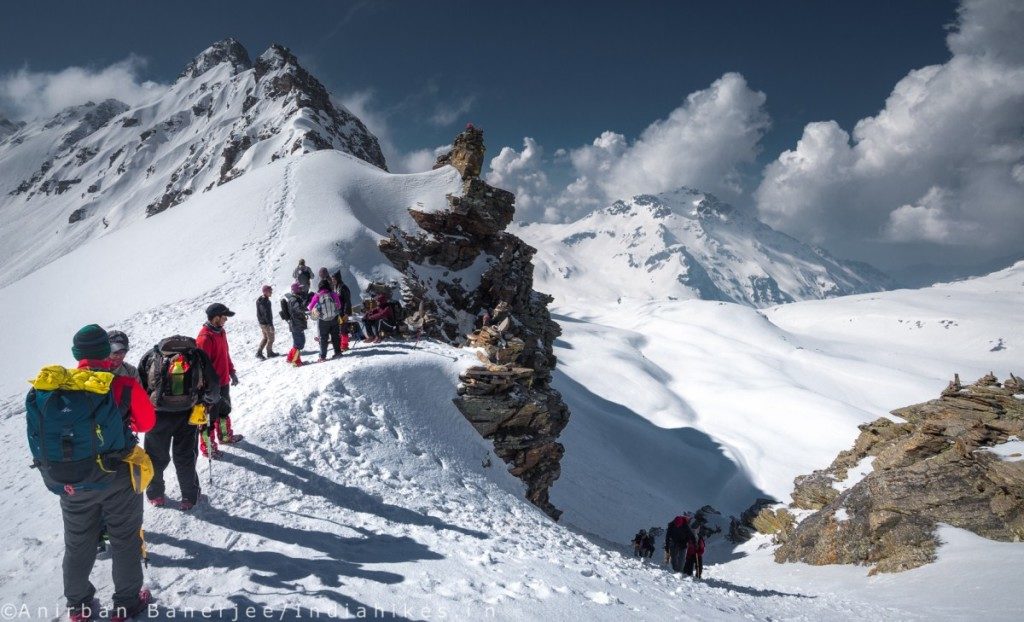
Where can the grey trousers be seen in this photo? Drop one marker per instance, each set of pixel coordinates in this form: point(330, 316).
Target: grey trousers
point(120, 507)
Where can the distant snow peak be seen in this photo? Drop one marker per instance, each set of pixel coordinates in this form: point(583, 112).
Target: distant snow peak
point(228, 51)
point(93, 168)
point(686, 244)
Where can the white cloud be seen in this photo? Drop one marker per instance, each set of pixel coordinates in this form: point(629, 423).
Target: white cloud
point(446, 114)
point(520, 172)
point(26, 94)
point(941, 159)
point(704, 143)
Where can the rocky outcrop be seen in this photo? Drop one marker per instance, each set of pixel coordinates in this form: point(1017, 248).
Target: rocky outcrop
point(476, 283)
point(938, 462)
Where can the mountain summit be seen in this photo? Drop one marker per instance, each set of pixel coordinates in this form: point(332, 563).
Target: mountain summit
point(686, 244)
point(98, 166)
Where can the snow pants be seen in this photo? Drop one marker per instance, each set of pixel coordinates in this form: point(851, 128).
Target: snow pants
point(120, 508)
point(268, 338)
point(329, 330)
point(689, 564)
point(298, 338)
point(173, 438)
point(677, 557)
point(219, 427)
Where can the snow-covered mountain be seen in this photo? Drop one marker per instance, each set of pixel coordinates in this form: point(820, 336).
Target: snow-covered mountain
point(685, 244)
point(96, 167)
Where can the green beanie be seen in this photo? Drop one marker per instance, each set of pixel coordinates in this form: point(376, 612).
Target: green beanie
point(91, 342)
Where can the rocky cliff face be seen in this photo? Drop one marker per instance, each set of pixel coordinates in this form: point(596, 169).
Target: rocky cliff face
point(955, 460)
point(476, 281)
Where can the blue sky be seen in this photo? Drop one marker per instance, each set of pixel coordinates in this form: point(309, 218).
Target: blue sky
point(883, 131)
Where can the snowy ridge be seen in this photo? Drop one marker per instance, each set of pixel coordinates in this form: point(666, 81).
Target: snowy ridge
point(685, 244)
point(362, 485)
point(94, 168)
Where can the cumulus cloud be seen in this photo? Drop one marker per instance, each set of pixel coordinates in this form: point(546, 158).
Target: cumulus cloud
point(27, 94)
point(939, 163)
point(703, 143)
point(520, 172)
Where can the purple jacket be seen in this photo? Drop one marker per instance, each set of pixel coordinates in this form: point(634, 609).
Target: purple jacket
point(316, 299)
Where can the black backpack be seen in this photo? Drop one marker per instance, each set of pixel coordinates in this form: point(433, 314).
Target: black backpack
point(174, 373)
point(285, 313)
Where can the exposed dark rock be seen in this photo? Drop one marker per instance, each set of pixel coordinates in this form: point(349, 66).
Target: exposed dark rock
point(78, 215)
point(933, 467)
point(486, 290)
point(227, 51)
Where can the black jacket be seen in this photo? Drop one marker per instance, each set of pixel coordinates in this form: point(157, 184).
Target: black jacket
point(264, 314)
point(678, 537)
point(343, 293)
point(304, 275)
point(297, 311)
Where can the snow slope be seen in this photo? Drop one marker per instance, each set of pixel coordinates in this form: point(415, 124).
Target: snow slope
point(680, 245)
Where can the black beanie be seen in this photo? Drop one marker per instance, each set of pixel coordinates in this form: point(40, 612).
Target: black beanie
point(91, 342)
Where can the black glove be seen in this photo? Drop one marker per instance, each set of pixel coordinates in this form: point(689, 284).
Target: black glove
point(234, 379)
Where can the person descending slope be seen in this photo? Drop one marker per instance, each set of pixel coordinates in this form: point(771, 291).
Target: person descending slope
point(293, 309)
point(177, 375)
point(326, 307)
point(265, 318)
point(678, 536)
point(81, 431)
point(213, 340)
point(304, 276)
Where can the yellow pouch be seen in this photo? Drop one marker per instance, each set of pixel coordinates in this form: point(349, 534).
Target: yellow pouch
point(342, 319)
point(140, 467)
point(198, 416)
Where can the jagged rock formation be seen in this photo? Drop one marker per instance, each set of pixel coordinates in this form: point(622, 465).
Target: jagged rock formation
point(940, 462)
point(225, 115)
point(474, 278)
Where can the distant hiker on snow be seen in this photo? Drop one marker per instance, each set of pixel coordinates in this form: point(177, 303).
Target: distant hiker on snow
point(678, 537)
point(326, 307)
point(178, 376)
point(265, 318)
point(375, 319)
point(81, 430)
point(345, 296)
point(213, 340)
point(638, 543)
point(293, 309)
point(304, 275)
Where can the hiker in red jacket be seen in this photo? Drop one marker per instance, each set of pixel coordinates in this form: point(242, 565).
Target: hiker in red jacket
point(213, 340)
point(372, 321)
point(694, 564)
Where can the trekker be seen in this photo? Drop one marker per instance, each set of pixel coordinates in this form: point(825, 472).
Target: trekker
point(118, 350)
point(345, 296)
point(647, 546)
point(304, 276)
point(293, 309)
point(177, 375)
point(373, 321)
point(213, 340)
point(695, 555)
point(326, 307)
point(81, 430)
point(638, 543)
point(677, 537)
point(265, 318)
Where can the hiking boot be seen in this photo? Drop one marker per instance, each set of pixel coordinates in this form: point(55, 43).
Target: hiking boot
point(187, 505)
point(215, 454)
point(84, 612)
point(158, 502)
point(368, 340)
point(337, 355)
point(121, 614)
point(260, 356)
point(271, 355)
point(321, 360)
point(234, 438)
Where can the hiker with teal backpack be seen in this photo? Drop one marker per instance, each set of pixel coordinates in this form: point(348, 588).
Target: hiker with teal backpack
point(326, 307)
point(81, 426)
